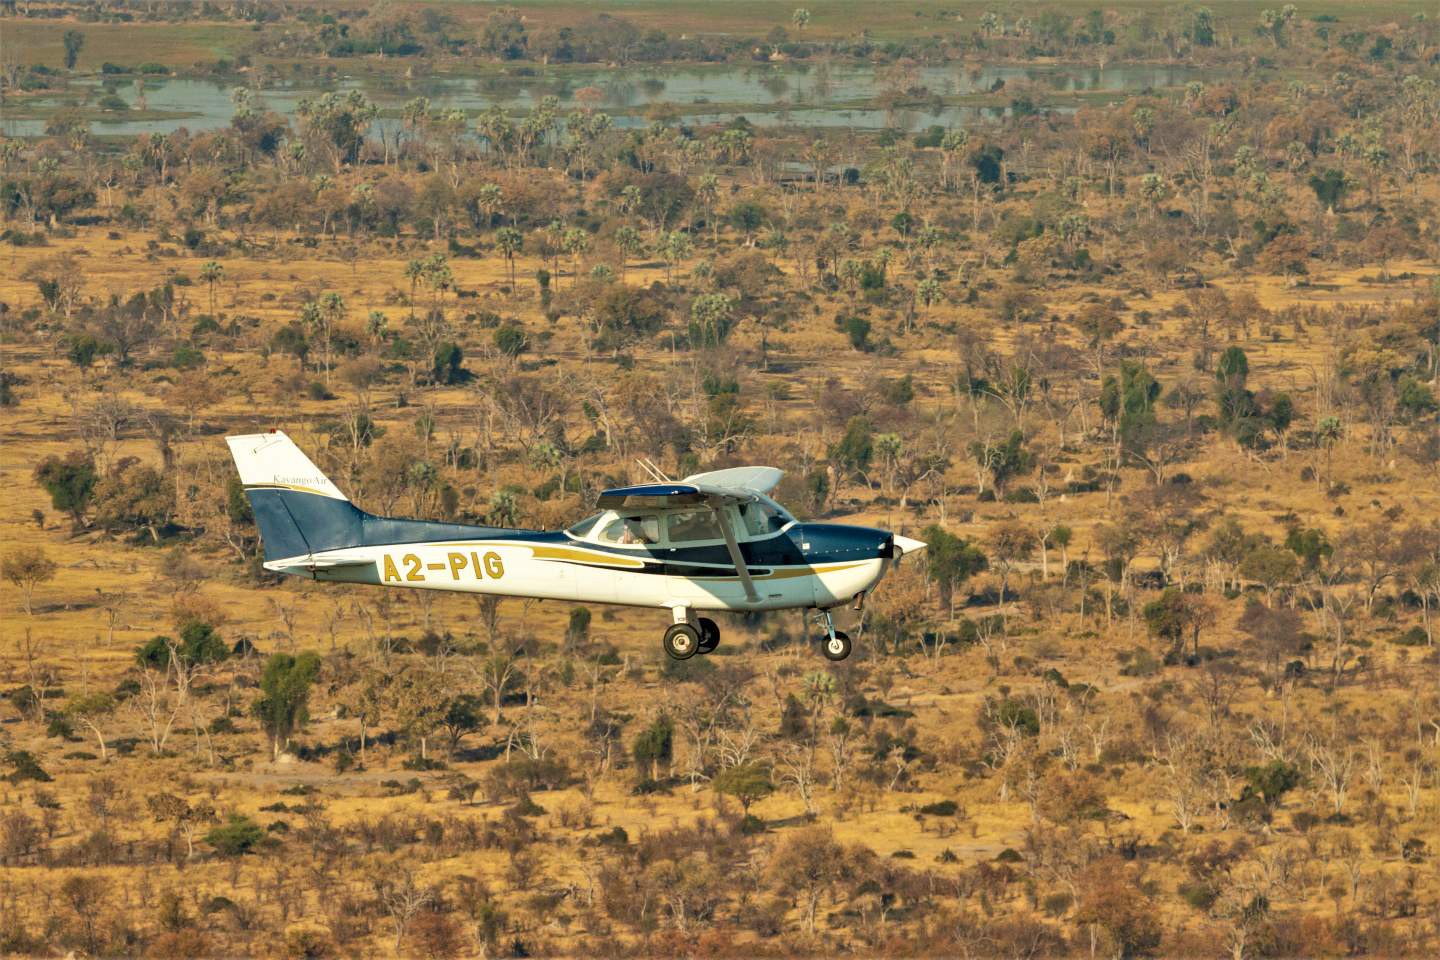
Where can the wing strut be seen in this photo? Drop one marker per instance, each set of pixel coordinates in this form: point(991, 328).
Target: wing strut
point(735, 556)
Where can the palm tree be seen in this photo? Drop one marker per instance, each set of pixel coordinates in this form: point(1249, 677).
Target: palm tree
point(928, 293)
point(488, 199)
point(575, 242)
point(674, 248)
point(332, 311)
point(438, 275)
point(414, 270)
point(631, 244)
point(212, 273)
point(510, 241)
point(708, 193)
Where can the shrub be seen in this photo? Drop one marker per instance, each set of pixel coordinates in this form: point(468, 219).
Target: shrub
point(24, 766)
point(236, 838)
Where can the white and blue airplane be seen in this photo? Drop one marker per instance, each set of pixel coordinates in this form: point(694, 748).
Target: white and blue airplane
point(711, 542)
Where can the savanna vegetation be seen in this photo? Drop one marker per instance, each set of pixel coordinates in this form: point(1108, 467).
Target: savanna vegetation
point(1154, 374)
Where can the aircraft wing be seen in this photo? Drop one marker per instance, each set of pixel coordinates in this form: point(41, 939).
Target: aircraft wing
point(652, 496)
point(715, 488)
point(739, 479)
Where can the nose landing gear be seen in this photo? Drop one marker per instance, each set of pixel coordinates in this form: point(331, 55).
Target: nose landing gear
point(834, 644)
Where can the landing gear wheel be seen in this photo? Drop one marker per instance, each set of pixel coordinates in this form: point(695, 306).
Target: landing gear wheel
point(836, 646)
point(682, 641)
point(709, 635)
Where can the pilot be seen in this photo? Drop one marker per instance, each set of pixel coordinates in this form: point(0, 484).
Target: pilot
point(635, 532)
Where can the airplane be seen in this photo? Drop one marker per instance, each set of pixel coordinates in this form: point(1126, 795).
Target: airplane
point(711, 542)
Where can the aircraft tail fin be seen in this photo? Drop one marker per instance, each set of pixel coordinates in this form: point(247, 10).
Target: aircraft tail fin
point(299, 511)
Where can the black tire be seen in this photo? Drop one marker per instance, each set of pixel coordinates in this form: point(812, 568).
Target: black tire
point(682, 641)
point(835, 648)
point(709, 635)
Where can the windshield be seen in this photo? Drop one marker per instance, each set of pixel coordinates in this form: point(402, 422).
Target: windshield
point(582, 529)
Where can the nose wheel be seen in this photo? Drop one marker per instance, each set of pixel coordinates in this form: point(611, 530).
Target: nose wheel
point(833, 643)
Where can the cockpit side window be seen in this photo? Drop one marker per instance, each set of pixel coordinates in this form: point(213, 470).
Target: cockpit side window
point(689, 525)
point(632, 530)
point(761, 519)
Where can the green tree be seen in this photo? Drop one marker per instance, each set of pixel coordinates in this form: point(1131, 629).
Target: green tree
point(1271, 781)
point(283, 705)
point(928, 292)
point(711, 316)
point(27, 568)
point(1330, 187)
point(511, 341)
point(463, 716)
point(748, 783)
point(950, 561)
point(1311, 545)
point(504, 35)
point(1236, 403)
point(1177, 617)
point(747, 218)
point(134, 497)
point(199, 644)
point(91, 711)
point(212, 272)
point(655, 745)
point(70, 481)
point(1003, 461)
point(1127, 402)
point(630, 244)
point(236, 837)
point(82, 349)
point(447, 365)
point(74, 42)
point(511, 242)
point(855, 449)
point(1271, 567)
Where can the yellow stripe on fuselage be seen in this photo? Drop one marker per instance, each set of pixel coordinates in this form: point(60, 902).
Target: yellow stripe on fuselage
point(791, 573)
point(595, 557)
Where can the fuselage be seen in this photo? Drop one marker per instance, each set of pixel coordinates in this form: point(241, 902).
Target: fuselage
point(797, 565)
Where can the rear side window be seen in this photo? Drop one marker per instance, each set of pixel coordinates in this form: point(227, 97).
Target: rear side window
point(693, 525)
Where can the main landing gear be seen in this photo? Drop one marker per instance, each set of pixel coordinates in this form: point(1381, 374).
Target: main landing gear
point(833, 643)
point(684, 639)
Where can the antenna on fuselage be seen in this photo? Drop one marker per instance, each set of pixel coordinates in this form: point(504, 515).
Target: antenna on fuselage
point(655, 472)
